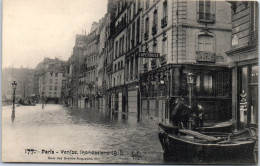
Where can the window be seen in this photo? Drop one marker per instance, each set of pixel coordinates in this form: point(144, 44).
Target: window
point(138, 30)
point(205, 43)
point(254, 75)
point(204, 6)
point(165, 9)
point(51, 81)
point(147, 24)
point(50, 87)
point(56, 74)
point(56, 88)
point(123, 40)
point(146, 35)
point(133, 35)
point(114, 81)
point(155, 22)
point(207, 82)
point(56, 81)
point(155, 17)
point(116, 49)
point(164, 47)
point(147, 3)
point(154, 48)
point(206, 12)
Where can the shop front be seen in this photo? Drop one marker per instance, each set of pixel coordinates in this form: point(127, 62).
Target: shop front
point(211, 88)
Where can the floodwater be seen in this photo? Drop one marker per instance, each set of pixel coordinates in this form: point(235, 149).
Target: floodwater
point(74, 135)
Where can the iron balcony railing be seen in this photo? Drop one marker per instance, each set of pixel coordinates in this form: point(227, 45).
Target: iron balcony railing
point(146, 35)
point(164, 21)
point(154, 29)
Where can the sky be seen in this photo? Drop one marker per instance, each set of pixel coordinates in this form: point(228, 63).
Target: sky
point(34, 29)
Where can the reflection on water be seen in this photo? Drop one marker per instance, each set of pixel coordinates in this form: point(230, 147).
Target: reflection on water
point(58, 128)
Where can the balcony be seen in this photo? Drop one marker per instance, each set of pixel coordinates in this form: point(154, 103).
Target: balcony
point(203, 56)
point(146, 35)
point(153, 64)
point(121, 25)
point(154, 29)
point(163, 59)
point(206, 17)
point(164, 22)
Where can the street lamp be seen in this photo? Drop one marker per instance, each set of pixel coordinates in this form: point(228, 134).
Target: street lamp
point(190, 80)
point(14, 84)
point(42, 100)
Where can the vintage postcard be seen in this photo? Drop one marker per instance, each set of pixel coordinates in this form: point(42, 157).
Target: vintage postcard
point(130, 81)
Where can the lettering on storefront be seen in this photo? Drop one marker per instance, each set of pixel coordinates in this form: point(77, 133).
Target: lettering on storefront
point(205, 57)
point(148, 55)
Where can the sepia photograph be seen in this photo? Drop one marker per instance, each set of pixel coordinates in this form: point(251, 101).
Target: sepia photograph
point(130, 82)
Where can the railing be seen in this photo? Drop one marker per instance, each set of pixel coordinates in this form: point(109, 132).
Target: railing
point(206, 17)
point(163, 59)
point(203, 56)
point(121, 24)
point(146, 35)
point(164, 21)
point(154, 29)
point(153, 64)
point(203, 91)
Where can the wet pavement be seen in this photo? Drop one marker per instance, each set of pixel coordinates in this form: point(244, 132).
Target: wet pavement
point(74, 135)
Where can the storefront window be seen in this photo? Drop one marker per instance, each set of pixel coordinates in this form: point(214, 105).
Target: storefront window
point(207, 82)
point(254, 75)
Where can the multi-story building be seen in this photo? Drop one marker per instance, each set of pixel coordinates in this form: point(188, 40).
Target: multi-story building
point(100, 67)
point(118, 57)
point(76, 61)
point(243, 58)
point(133, 47)
point(108, 57)
point(88, 78)
point(181, 37)
point(52, 80)
point(24, 78)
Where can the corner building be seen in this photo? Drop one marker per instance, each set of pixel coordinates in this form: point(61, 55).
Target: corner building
point(190, 37)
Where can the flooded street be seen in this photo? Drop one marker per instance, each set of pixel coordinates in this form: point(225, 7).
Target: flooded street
point(62, 134)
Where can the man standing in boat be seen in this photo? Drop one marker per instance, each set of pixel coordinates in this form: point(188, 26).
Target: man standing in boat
point(179, 115)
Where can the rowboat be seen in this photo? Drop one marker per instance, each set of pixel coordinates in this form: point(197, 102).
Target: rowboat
point(226, 126)
point(185, 146)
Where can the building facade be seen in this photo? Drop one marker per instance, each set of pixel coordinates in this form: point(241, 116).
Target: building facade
point(52, 80)
point(190, 37)
point(243, 58)
point(144, 51)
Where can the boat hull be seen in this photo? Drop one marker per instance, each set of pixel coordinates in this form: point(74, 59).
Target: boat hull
point(177, 148)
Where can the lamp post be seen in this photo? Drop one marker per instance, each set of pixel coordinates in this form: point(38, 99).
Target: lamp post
point(14, 84)
point(190, 80)
point(42, 100)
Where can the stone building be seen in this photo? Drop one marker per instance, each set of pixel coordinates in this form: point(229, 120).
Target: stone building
point(243, 58)
point(118, 57)
point(51, 79)
point(190, 37)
